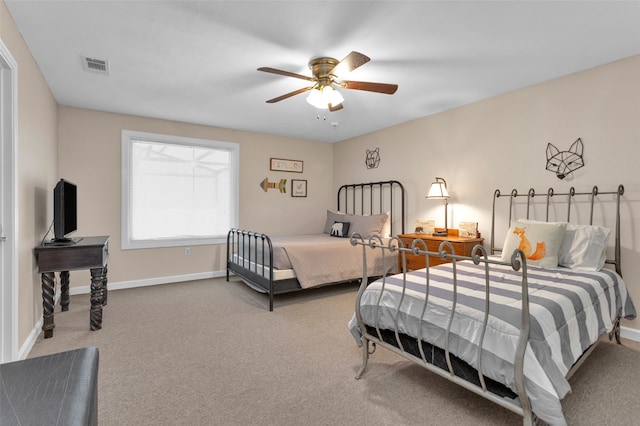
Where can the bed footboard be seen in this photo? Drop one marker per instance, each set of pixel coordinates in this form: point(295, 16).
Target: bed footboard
point(250, 256)
point(439, 359)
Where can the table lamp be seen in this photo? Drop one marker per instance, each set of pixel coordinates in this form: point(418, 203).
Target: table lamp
point(438, 191)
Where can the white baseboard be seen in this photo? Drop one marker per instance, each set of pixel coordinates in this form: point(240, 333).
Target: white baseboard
point(31, 340)
point(625, 332)
point(630, 333)
point(35, 332)
point(151, 281)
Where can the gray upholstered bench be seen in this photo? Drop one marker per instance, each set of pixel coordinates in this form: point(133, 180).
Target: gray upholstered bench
point(58, 389)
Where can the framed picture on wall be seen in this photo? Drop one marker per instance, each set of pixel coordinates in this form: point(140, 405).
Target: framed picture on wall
point(298, 188)
point(282, 165)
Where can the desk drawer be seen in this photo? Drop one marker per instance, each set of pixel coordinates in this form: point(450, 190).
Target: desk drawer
point(88, 253)
point(419, 262)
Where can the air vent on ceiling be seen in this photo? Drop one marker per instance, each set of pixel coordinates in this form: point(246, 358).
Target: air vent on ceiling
point(99, 66)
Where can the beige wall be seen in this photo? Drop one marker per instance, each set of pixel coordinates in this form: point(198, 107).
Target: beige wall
point(36, 170)
point(89, 156)
point(500, 143)
point(497, 143)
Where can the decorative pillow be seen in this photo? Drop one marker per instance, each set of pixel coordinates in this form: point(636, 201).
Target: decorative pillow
point(340, 229)
point(363, 225)
point(584, 247)
point(333, 217)
point(540, 242)
point(368, 225)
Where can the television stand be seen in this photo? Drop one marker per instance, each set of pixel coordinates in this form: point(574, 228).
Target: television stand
point(86, 253)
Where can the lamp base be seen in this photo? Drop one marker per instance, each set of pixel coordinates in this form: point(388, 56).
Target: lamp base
point(440, 234)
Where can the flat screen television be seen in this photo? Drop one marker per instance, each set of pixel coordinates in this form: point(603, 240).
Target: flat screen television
point(65, 211)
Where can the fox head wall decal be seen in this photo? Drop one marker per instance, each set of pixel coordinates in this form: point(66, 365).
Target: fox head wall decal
point(563, 163)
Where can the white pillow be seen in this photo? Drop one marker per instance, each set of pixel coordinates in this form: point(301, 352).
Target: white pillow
point(540, 242)
point(584, 247)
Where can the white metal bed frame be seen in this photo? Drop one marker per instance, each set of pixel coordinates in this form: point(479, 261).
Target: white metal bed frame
point(370, 339)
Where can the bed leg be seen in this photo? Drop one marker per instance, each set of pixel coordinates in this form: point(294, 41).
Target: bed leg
point(365, 355)
point(529, 419)
point(615, 331)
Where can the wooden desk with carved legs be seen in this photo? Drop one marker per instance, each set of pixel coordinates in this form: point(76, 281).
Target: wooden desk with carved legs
point(87, 253)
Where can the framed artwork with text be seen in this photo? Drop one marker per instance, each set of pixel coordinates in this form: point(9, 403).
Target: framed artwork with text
point(283, 165)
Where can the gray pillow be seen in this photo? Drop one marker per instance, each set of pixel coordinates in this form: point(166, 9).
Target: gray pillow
point(333, 217)
point(367, 225)
point(364, 225)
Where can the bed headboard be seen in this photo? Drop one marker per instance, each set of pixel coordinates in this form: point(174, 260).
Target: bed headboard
point(375, 198)
point(558, 207)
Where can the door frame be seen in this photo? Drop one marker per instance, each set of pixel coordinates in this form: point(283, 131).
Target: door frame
point(8, 206)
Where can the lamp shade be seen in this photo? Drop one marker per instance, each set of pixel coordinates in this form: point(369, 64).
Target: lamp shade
point(438, 189)
point(316, 99)
point(332, 96)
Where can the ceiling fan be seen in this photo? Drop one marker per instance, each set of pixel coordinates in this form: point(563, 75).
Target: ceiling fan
point(326, 72)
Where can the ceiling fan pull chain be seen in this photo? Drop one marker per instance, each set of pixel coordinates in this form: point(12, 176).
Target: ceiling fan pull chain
point(324, 116)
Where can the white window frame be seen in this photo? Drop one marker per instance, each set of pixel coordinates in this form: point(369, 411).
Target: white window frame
point(128, 136)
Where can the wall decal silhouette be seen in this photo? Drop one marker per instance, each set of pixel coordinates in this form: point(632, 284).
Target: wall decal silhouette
point(372, 159)
point(563, 163)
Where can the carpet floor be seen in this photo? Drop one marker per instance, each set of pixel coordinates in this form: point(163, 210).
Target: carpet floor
point(210, 353)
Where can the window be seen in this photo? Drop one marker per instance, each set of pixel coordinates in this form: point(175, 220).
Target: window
point(177, 191)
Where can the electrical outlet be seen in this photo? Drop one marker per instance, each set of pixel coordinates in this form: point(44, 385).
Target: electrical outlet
point(187, 251)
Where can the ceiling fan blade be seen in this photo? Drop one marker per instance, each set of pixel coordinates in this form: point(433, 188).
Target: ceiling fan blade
point(335, 108)
point(352, 61)
point(286, 73)
point(388, 89)
point(288, 95)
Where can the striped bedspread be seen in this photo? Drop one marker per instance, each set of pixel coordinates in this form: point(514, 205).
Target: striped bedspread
point(569, 310)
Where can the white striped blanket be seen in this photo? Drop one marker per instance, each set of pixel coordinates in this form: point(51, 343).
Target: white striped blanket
point(569, 311)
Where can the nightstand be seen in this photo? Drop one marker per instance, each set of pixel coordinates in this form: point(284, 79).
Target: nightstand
point(462, 246)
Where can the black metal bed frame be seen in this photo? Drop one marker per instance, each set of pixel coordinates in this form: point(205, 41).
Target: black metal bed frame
point(250, 254)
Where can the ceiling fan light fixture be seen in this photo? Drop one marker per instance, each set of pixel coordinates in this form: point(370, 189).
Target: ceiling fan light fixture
point(322, 93)
point(324, 97)
point(332, 96)
point(316, 99)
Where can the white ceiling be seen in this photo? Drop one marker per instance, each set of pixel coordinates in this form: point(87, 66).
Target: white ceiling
point(196, 61)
